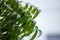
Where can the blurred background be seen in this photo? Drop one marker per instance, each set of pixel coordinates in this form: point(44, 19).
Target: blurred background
point(49, 18)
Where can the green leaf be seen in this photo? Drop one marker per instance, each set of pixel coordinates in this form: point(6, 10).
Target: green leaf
point(30, 8)
point(36, 13)
point(26, 6)
point(34, 35)
point(33, 10)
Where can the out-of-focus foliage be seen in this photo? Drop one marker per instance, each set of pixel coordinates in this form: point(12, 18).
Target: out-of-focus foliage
point(17, 21)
